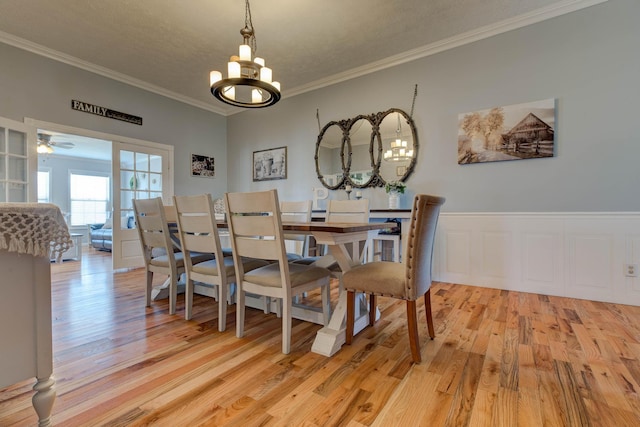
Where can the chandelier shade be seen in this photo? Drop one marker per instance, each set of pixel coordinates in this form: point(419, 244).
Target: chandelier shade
point(249, 83)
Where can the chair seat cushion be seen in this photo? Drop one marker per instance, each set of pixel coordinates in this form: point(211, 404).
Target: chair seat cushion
point(210, 267)
point(380, 278)
point(333, 267)
point(163, 260)
point(298, 273)
point(293, 257)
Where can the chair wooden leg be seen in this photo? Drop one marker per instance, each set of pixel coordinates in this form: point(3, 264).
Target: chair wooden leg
point(351, 317)
point(286, 325)
point(326, 303)
point(266, 301)
point(222, 307)
point(412, 324)
point(239, 312)
point(149, 287)
point(427, 311)
point(373, 307)
point(188, 299)
point(173, 294)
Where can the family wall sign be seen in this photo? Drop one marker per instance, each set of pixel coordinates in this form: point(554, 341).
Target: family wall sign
point(104, 112)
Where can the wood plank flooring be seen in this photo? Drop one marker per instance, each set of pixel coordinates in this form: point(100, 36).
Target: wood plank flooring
point(500, 358)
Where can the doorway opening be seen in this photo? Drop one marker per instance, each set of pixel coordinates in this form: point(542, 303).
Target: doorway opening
point(75, 173)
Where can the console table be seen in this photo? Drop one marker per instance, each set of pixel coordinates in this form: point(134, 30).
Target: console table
point(29, 232)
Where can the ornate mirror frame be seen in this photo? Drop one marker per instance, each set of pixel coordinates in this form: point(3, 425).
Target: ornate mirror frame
point(376, 151)
point(342, 125)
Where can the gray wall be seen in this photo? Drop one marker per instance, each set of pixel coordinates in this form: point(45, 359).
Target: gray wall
point(588, 60)
point(42, 89)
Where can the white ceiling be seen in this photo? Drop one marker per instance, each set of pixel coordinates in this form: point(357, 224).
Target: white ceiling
point(170, 46)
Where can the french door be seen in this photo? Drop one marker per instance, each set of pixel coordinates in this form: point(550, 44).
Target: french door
point(18, 162)
point(139, 172)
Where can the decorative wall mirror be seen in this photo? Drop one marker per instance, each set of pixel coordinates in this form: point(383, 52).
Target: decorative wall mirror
point(367, 150)
point(398, 149)
point(361, 135)
point(332, 154)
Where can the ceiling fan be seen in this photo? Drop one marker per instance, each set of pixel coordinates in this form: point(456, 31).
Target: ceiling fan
point(46, 144)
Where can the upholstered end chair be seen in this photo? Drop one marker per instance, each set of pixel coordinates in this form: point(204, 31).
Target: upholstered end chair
point(408, 280)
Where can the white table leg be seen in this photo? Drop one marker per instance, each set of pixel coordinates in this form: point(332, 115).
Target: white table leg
point(43, 400)
point(331, 338)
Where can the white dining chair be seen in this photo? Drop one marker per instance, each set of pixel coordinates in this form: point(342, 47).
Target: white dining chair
point(255, 227)
point(198, 233)
point(160, 253)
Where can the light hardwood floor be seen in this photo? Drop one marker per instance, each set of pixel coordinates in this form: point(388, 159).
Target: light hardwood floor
point(500, 358)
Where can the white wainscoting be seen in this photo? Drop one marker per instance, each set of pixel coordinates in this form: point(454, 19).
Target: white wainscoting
point(577, 255)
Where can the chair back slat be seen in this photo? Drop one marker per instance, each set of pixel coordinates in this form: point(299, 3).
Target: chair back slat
point(421, 237)
point(153, 230)
point(149, 221)
point(349, 211)
point(170, 213)
point(198, 243)
point(196, 225)
point(258, 248)
point(296, 212)
point(153, 239)
point(250, 203)
point(255, 226)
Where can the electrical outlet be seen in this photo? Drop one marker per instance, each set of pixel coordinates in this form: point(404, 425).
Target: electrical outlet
point(631, 270)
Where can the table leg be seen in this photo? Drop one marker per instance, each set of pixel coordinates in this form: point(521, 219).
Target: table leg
point(331, 338)
point(43, 400)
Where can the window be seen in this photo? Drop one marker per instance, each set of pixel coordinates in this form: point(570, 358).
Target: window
point(89, 198)
point(44, 186)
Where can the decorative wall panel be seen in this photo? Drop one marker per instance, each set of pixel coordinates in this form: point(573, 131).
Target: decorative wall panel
point(578, 255)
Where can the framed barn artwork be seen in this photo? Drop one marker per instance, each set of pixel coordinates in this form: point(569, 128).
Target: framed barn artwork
point(512, 132)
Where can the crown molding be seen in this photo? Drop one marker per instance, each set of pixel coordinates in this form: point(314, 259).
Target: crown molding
point(552, 11)
point(481, 33)
point(105, 72)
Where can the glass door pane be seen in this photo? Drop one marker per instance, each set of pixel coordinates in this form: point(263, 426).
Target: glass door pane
point(142, 173)
point(15, 162)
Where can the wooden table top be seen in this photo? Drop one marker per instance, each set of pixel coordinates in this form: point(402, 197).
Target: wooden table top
point(333, 227)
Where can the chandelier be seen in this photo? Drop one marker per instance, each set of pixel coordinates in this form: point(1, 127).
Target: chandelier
point(399, 149)
point(249, 83)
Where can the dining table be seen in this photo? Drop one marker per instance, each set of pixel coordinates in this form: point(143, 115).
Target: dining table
point(337, 237)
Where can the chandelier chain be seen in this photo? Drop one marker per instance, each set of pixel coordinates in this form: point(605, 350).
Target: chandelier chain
point(248, 23)
point(413, 104)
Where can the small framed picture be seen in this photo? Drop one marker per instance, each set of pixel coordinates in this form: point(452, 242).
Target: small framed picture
point(401, 170)
point(203, 166)
point(270, 164)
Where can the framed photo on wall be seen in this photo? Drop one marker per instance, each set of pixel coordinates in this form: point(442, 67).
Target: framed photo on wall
point(203, 166)
point(270, 164)
point(510, 132)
